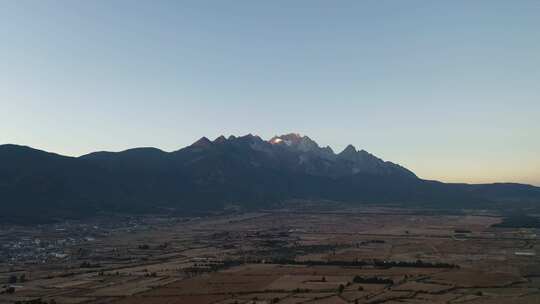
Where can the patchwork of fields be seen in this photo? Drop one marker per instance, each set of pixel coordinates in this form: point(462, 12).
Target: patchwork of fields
point(371, 255)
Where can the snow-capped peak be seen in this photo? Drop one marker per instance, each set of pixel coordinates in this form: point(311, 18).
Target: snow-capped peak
point(276, 140)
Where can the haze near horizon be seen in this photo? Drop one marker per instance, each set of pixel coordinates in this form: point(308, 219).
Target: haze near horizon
point(446, 89)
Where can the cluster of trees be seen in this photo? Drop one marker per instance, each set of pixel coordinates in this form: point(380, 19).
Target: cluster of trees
point(87, 264)
point(370, 242)
point(280, 251)
point(372, 280)
point(161, 246)
point(8, 290)
point(256, 299)
point(36, 301)
point(359, 263)
point(211, 266)
point(102, 273)
point(14, 279)
point(415, 264)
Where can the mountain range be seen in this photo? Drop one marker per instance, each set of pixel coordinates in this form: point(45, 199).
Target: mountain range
point(246, 172)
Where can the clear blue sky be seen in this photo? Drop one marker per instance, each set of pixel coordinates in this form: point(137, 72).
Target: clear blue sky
point(449, 89)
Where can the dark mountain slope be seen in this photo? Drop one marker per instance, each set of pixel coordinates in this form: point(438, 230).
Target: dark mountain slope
point(37, 184)
point(208, 175)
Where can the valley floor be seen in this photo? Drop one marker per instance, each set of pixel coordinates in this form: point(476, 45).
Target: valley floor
point(370, 255)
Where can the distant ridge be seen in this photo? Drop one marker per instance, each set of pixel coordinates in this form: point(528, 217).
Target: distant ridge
point(244, 171)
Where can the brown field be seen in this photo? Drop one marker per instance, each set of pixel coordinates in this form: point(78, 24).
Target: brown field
point(267, 252)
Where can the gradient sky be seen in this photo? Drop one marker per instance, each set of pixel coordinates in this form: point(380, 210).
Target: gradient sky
point(449, 89)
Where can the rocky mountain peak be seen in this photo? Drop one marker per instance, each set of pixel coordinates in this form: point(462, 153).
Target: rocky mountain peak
point(220, 139)
point(202, 142)
point(348, 152)
point(328, 150)
point(295, 141)
point(301, 153)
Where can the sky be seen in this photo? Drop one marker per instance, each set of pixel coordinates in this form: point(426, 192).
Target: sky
point(449, 89)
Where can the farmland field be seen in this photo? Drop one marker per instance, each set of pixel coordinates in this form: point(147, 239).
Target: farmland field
point(369, 255)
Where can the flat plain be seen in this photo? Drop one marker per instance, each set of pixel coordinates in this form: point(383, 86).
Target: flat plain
point(367, 255)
